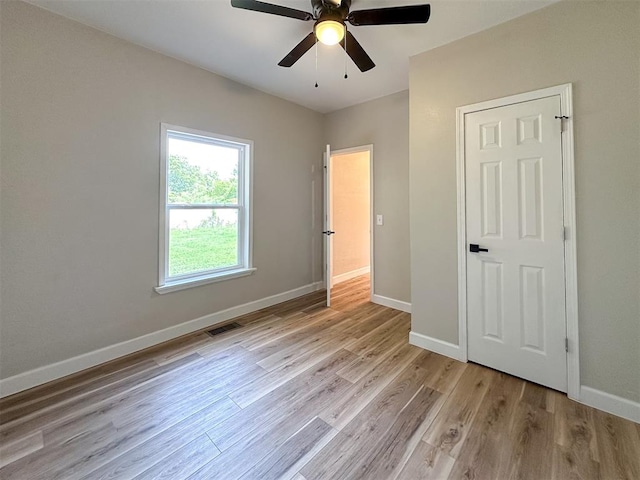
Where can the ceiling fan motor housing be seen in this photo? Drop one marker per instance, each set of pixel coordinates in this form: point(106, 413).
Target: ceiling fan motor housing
point(325, 10)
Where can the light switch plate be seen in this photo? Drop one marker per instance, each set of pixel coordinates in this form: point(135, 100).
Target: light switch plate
point(379, 220)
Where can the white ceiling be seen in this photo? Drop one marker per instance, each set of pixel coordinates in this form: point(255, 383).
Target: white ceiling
point(246, 46)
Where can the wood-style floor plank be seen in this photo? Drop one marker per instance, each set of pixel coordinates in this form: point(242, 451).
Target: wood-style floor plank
point(575, 446)
point(446, 373)
point(183, 462)
point(618, 446)
point(287, 398)
point(450, 428)
point(391, 451)
point(256, 444)
point(292, 372)
point(74, 392)
point(427, 462)
point(344, 409)
point(157, 449)
point(10, 452)
point(284, 461)
point(304, 392)
point(485, 451)
point(57, 412)
point(532, 436)
point(343, 457)
point(130, 426)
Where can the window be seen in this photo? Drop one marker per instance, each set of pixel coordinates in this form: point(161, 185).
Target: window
point(205, 215)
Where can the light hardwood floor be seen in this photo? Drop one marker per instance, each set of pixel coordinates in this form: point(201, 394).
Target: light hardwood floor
point(306, 392)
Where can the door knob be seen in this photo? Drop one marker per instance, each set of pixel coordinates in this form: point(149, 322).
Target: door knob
point(475, 248)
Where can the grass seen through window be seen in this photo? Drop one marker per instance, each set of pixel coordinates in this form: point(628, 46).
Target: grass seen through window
point(202, 248)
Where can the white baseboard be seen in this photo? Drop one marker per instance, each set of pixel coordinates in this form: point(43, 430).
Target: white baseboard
point(434, 345)
point(391, 303)
point(47, 373)
point(609, 403)
point(343, 277)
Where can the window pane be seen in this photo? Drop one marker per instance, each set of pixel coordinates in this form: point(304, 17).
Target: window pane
point(202, 173)
point(202, 239)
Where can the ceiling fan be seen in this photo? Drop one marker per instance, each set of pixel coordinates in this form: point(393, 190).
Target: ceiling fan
point(330, 28)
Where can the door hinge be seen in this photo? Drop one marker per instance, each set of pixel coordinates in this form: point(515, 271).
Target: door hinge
point(566, 344)
point(561, 118)
point(564, 233)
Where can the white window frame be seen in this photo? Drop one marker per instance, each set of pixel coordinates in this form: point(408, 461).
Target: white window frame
point(167, 284)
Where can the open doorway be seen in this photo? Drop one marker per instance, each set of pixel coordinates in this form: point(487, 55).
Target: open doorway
point(351, 207)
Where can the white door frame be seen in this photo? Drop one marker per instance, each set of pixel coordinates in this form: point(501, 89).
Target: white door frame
point(326, 222)
point(365, 148)
point(568, 187)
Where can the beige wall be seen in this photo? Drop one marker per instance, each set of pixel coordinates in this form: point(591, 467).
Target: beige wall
point(385, 124)
point(596, 46)
point(80, 124)
point(350, 191)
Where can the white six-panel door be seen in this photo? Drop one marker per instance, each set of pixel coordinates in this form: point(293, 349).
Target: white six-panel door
point(516, 290)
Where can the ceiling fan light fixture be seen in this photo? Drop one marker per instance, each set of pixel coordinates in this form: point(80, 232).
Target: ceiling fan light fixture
point(329, 32)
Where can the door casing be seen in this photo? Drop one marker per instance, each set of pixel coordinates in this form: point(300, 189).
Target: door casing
point(369, 149)
point(568, 187)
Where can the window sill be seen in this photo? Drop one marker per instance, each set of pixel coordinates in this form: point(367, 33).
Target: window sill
point(199, 281)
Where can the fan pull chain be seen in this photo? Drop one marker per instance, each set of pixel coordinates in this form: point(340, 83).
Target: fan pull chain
point(316, 62)
point(345, 52)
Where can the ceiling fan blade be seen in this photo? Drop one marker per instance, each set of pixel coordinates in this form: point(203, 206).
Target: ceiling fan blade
point(263, 7)
point(391, 15)
point(357, 53)
point(298, 51)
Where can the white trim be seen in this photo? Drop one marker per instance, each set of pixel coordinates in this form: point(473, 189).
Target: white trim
point(343, 277)
point(326, 219)
point(347, 151)
point(372, 223)
point(570, 253)
point(568, 187)
point(391, 303)
point(462, 235)
point(613, 404)
point(561, 90)
point(434, 345)
point(47, 373)
point(199, 281)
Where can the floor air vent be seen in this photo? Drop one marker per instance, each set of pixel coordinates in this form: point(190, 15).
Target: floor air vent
point(222, 329)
